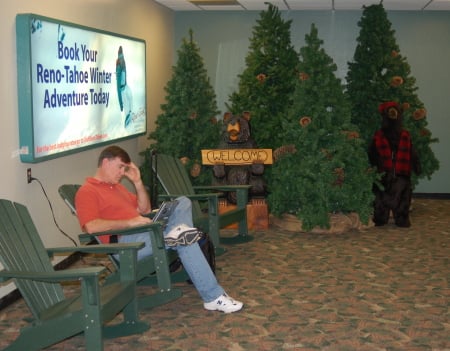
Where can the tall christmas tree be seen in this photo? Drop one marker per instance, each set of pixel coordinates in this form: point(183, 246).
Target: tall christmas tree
point(266, 85)
point(188, 122)
point(379, 73)
point(323, 167)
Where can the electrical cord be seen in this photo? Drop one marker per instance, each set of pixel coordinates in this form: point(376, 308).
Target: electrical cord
point(53, 213)
point(56, 223)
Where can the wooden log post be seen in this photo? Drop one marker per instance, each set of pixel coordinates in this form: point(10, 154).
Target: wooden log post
point(257, 210)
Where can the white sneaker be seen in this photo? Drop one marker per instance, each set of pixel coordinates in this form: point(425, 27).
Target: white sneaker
point(223, 303)
point(182, 235)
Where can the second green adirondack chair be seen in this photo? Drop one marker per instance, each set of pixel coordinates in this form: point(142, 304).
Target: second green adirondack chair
point(151, 271)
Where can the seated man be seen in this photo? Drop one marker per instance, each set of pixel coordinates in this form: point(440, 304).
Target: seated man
point(103, 204)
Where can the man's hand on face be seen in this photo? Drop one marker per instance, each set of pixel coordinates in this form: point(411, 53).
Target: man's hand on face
point(132, 173)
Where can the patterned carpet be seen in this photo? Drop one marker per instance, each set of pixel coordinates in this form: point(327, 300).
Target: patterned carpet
point(384, 288)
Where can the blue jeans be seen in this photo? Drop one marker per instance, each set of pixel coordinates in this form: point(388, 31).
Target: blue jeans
point(194, 262)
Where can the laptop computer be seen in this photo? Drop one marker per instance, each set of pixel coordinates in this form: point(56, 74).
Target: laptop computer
point(164, 212)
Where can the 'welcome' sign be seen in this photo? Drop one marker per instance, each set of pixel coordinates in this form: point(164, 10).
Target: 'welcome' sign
point(237, 156)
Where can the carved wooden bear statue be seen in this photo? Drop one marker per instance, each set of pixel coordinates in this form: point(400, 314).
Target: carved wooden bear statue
point(236, 134)
point(392, 152)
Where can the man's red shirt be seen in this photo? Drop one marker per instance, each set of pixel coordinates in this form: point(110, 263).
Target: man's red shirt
point(100, 200)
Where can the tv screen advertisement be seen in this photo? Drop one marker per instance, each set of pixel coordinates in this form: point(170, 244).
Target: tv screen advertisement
point(78, 87)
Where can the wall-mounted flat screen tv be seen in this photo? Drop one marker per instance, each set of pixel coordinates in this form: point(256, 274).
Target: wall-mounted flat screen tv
point(78, 87)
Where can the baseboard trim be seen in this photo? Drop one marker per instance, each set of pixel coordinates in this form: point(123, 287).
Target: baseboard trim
point(438, 196)
point(15, 295)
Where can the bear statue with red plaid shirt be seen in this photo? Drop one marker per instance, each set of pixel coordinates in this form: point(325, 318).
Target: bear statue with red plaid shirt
point(392, 152)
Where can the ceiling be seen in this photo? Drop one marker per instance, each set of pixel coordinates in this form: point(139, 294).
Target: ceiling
point(296, 5)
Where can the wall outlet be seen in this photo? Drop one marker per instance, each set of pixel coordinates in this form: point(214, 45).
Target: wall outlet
point(29, 178)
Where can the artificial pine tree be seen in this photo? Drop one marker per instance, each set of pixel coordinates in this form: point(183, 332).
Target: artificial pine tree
point(266, 85)
point(323, 167)
point(379, 73)
point(188, 122)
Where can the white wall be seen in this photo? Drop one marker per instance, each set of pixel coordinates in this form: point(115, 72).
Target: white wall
point(137, 18)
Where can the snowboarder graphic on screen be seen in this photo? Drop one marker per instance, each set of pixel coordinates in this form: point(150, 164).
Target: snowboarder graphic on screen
point(123, 90)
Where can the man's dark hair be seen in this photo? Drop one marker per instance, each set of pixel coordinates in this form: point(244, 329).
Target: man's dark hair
point(112, 152)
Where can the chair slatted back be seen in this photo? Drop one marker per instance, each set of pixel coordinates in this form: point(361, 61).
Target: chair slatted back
point(174, 178)
point(21, 249)
point(68, 192)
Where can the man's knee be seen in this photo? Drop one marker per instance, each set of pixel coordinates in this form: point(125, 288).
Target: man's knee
point(184, 202)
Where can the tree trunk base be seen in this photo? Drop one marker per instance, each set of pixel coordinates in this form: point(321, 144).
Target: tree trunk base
point(339, 223)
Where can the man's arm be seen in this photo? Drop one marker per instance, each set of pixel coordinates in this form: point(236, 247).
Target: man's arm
point(103, 225)
point(144, 206)
point(134, 175)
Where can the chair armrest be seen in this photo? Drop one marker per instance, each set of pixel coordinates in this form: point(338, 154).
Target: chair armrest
point(127, 252)
point(54, 276)
point(154, 229)
point(204, 196)
point(241, 191)
point(128, 231)
point(212, 198)
point(104, 248)
point(223, 187)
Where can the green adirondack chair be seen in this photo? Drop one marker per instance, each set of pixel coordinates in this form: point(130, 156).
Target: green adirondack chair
point(55, 316)
point(175, 181)
point(151, 271)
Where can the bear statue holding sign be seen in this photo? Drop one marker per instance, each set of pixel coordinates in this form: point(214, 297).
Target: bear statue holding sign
point(236, 134)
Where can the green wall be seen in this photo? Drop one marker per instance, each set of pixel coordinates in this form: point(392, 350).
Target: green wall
point(423, 38)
